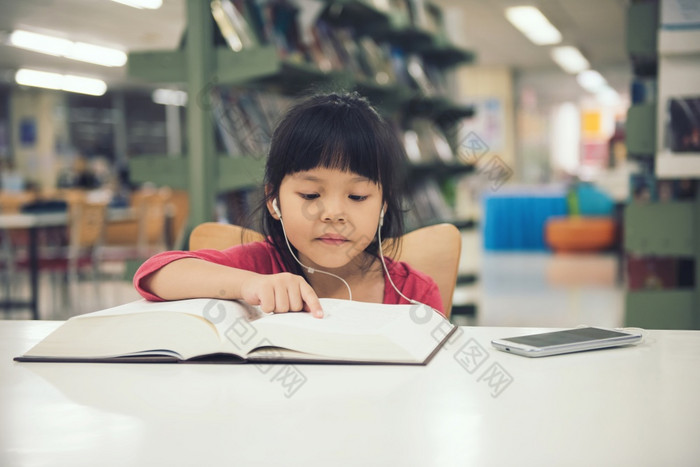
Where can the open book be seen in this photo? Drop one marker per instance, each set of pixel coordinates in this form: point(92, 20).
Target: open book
point(233, 332)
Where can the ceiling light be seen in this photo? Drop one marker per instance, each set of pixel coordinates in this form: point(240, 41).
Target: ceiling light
point(570, 59)
point(71, 83)
point(40, 43)
point(60, 47)
point(96, 54)
point(169, 97)
point(591, 81)
point(608, 96)
point(531, 22)
point(140, 4)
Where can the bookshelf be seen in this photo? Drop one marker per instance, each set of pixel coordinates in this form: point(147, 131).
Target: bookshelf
point(661, 232)
point(231, 173)
point(203, 64)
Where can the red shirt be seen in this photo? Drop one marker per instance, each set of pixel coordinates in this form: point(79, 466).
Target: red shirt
point(261, 257)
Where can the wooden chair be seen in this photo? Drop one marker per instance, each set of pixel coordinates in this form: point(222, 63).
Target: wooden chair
point(177, 213)
point(217, 236)
point(433, 250)
point(143, 235)
point(80, 249)
point(151, 206)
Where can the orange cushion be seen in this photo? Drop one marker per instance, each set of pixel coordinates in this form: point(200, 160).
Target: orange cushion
point(579, 234)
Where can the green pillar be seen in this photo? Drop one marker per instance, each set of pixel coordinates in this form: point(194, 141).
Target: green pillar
point(200, 55)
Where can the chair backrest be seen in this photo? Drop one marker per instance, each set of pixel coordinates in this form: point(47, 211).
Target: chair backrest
point(434, 250)
point(219, 236)
point(177, 213)
point(151, 207)
point(86, 225)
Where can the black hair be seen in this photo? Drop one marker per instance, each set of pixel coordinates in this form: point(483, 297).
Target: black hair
point(336, 131)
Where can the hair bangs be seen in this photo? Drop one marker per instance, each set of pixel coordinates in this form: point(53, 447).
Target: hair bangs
point(336, 138)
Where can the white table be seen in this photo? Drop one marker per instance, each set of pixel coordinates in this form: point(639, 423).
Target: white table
point(33, 223)
point(633, 406)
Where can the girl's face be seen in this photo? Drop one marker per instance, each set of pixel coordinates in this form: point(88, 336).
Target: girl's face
point(330, 216)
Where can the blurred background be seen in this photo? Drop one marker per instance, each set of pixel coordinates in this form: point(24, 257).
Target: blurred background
point(561, 137)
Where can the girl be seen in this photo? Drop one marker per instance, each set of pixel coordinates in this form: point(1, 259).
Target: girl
point(332, 192)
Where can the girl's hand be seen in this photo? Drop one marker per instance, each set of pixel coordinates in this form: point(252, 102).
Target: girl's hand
point(280, 293)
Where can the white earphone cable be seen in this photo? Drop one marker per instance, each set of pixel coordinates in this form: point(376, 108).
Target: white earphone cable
point(386, 270)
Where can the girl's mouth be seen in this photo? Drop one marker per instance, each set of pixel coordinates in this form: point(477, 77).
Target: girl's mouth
point(334, 240)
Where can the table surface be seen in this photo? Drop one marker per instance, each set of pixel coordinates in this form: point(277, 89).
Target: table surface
point(23, 221)
point(54, 219)
point(471, 405)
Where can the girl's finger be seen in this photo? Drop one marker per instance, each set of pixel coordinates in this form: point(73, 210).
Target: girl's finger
point(266, 299)
point(296, 303)
point(311, 302)
point(281, 299)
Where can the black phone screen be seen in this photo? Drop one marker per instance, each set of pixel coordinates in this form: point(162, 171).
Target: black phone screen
point(569, 336)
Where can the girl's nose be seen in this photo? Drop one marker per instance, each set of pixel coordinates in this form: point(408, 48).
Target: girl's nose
point(332, 212)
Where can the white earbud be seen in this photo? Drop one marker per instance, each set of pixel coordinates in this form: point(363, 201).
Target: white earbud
point(381, 217)
point(276, 208)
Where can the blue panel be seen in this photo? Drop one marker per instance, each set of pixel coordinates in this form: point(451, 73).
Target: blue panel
point(516, 221)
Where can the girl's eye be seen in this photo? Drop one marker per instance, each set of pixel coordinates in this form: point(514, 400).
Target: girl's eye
point(358, 197)
point(309, 196)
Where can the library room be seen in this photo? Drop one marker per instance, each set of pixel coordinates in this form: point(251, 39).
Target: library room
point(410, 232)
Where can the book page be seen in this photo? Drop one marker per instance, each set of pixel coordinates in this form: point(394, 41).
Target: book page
point(188, 328)
point(142, 333)
point(356, 331)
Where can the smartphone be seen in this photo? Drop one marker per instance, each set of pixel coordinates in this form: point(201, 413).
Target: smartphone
point(566, 341)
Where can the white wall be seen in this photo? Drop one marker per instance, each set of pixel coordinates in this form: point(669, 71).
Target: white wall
point(475, 84)
point(37, 162)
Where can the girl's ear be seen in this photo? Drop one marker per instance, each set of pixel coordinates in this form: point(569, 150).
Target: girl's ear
point(271, 209)
point(270, 200)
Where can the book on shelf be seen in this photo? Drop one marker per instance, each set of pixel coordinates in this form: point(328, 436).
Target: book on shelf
point(245, 119)
point(286, 34)
point(226, 134)
point(646, 188)
point(323, 51)
point(415, 68)
point(438, 78)
point(346, 42)
point(398, 61)
point(649, 272)
point(683, 124)
point(432, 20)
point(236, 206)
point(233, 25)
point(428, 204)
point(257, 13)
point(376, 60)
point(225, 331)
point(425, 142)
